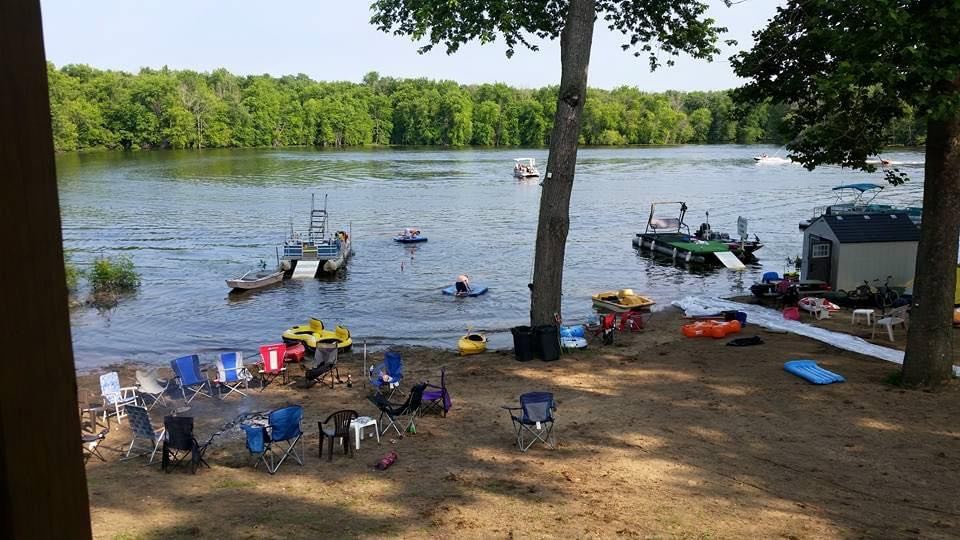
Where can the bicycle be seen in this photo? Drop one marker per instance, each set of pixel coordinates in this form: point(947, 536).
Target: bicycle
point(885, 297)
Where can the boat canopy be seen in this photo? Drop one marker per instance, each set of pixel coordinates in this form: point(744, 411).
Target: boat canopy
point(525, 160)
point(859, 187)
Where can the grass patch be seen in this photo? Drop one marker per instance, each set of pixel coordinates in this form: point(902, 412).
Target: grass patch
point(230, 483)
point(113, 275)
point(73, 273)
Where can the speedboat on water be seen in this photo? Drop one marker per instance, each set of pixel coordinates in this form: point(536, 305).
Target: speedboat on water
point(410, 236)
point(858, 199)
point(526, 168)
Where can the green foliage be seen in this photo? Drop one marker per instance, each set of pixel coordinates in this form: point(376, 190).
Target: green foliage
point(73, 273)
point(854, 76)
point(113, 275)
point(91, 108)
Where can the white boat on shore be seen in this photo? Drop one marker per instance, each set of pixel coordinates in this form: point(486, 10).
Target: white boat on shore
point(525, 168)
point(255, 279)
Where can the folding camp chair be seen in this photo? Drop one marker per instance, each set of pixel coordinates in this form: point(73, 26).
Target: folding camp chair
point(190, 377)
point(395, 412)
point(283, 426)
point(271, 365)
point(149, 386)
point(337, 426)
point(388, 374)
point(180, 446)
point(535, 420)
point(605, 328)
point(116, 397)
point(437, 398)
point(143, 429)
point(324, 365)
point(90, 444)
point(231, 373)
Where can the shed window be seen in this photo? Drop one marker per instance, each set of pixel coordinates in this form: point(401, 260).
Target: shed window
point(820, 250)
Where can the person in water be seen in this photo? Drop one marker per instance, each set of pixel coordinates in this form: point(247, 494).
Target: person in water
point(463, 285)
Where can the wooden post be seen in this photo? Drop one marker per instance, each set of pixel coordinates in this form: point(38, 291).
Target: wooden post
point(44, 490)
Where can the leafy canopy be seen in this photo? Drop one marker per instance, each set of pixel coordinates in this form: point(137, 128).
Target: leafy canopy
point(652, 26)
point(851, 69)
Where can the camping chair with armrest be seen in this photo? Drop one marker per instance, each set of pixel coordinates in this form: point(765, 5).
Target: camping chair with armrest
point(337, 426)
point(115, 397)
point(437, 398)
point(770, 277)
point(895, 316)
point(271, 364)
point(149, 385)
point(324, 366)
point(180, 446)
point(388, 374)
point(90, 444)
point(231, 373)
point(535, 421)
point(190, 377)
point(283, 426)
point(396, 412)
point(143, 429)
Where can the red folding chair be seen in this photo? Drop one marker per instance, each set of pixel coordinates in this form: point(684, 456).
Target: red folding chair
point(271, 365)
point(631, 321)
point(606, 328)
point(295, 353)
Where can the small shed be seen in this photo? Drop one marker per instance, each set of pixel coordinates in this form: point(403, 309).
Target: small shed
point(846, 249)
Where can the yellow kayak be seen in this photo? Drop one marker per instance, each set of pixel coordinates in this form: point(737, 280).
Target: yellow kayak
point(622, 300)
point(472, 343)
point(314, 332)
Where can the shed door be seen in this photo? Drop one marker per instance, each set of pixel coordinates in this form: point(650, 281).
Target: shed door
point(820, 257)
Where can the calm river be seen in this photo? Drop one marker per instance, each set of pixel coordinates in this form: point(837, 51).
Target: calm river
point(191, 219)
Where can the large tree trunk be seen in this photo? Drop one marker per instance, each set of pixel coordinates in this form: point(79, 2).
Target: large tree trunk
point(575, 41)
point(929, 356)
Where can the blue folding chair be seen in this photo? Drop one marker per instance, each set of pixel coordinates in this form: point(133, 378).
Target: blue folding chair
point(388, 374)
point(535, 420)
point(283, 426)
point(769, 277)
point(231, 373)
point(189, 376)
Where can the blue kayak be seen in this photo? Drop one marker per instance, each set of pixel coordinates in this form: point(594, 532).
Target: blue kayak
point(475, 290)
point(409, 239)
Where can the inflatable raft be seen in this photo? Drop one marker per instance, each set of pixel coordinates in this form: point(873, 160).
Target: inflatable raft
point(403, 239)
point(709, 328)
point(314, 332)
point(472, 343)
point(570, 342)
point(475, 290)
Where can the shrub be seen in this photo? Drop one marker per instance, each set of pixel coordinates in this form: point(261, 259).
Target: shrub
point(73, 273)
point(113, 275)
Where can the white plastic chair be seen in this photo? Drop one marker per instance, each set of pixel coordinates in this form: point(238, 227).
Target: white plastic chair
point(820, 311)
point(116, 397)
point(893, 317)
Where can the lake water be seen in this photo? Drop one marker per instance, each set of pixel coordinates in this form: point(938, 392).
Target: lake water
point(191, 219)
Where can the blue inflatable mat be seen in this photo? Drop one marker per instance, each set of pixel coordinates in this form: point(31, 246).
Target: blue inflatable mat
point(409, 239)
point(810, 371)
point(475, 290)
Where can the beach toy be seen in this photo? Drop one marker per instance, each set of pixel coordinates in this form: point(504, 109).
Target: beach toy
point(722, 329)
point(714, 329)
point(810, 371)
point(572, 331)
point(569, 342)
point(791, 313)
point(472, 343)
point(475, 290)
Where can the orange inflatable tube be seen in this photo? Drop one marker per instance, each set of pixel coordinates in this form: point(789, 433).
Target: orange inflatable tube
point(714, 329)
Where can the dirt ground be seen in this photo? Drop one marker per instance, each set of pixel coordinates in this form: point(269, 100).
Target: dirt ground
point(660, 436)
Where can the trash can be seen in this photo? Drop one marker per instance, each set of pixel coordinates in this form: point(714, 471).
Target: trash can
point(548, 338)
point(523, 349)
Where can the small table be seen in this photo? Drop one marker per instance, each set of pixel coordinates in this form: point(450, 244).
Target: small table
point(93, 411)
point(867, 314)
point(357, 426)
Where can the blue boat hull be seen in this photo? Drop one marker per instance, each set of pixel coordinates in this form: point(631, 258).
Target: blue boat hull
point(475, 290)
point(414, 240)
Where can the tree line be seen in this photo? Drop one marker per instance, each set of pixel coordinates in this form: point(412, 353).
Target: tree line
point(164, 108)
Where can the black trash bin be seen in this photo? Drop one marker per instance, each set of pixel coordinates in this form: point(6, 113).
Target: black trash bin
point(523, 343)
point(548, 338)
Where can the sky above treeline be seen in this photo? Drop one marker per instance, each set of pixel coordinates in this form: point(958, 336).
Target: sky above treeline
point(334, 40)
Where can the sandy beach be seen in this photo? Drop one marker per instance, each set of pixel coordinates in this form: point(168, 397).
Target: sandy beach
point(660, 436)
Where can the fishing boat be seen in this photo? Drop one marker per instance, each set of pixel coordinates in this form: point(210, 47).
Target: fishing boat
point(670, 236)
point(858, 199)
point(314, 332)
point(472, 343)
point(255, 279)
point(305, 254)
point(621, 301)
point(410, 236)
point(525, 168)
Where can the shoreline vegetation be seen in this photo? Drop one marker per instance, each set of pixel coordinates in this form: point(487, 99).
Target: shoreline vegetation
point(164, 108)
